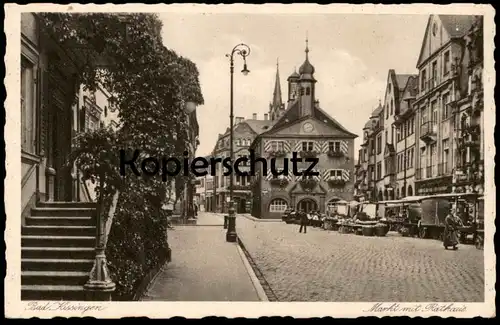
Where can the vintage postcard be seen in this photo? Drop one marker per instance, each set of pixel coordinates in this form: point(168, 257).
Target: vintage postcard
point(250, 160)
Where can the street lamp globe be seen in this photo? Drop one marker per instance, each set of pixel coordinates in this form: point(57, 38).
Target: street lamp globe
point(189, 107)
point(245, 71)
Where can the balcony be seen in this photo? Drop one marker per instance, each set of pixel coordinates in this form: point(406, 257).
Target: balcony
point(308, 154)
point(277, 153)
point(238, 187)
point(279, 182)
point(308, 183)
point(428, 132)
point(335, 154)
point(426, 172)
point(371, 160)
point(336, 182)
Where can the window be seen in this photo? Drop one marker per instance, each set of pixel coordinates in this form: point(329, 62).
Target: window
point(241, 180)
point(278, 205)
point(307, 146)
point(445, 100)
point(379, 144)
point(411, 154)
point(392, 106)
point(387, 111)
point(446, 153)
point(446, 62)
point(434, 113)
point(433, 159)
point(237, 142)
point(424, 116)
point(423, 79)
point(423, 160)
point(434, 74)
point(334, 146)
point(308, 91)
point(412, 125)
point(386, 137)
point(28, 110)
point(379, 170)
point(336, 174)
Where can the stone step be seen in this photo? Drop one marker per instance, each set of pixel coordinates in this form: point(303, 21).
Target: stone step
point(54, 277)
point(57, 241)
point(60, 221)
point(42, 264)
point(59, 230)
point(64, 205)
point(52, 292)
point(62, 212)
point(58, 252)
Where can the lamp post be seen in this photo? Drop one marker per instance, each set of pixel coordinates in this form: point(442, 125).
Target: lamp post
point(243, 50)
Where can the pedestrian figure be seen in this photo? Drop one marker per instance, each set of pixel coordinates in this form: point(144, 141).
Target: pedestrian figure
point(303, 221)
point(450, 234)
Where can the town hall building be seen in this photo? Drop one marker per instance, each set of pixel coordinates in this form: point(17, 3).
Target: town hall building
point(303, 127)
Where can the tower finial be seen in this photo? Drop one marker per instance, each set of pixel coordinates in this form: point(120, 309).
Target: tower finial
point(307, 43)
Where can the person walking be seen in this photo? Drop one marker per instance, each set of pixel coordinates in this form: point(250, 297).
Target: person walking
point(303, 221)
point(450, 235)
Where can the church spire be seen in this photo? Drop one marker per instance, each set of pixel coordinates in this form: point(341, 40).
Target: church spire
point(277, 103)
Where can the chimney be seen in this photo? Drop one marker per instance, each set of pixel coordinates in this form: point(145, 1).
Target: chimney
point(254, 116)
point(239, 120)
point(265, 117)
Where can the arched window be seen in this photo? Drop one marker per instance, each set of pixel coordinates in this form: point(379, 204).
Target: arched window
point(308, 91)
point(301, 91)
point(278, 205)
point(410, 191)
point(403, 192)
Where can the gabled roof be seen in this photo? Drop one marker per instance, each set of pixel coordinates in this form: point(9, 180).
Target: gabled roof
point(455, 25)
point(402, 79)
point(377, 111)
point(258, 126)
point(291, 116)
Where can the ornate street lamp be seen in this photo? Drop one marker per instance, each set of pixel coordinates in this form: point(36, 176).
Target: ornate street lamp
point(243, 50)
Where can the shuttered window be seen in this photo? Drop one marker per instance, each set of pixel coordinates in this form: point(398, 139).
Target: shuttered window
point(28, 108)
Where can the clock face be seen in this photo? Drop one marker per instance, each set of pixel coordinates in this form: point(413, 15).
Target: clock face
point(308, 127)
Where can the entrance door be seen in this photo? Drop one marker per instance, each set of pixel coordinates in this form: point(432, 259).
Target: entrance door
point(307, 205)
point(242, 206)
point(60, 128)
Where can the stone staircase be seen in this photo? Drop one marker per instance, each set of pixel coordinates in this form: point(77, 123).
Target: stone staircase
point(57, 251)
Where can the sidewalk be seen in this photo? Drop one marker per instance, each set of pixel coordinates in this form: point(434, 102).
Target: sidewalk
point(204, 267)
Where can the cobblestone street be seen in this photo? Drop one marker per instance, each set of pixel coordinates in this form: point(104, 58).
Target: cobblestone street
point(328, 266)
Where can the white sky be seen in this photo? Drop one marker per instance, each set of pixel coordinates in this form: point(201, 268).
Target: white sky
point(351, 54)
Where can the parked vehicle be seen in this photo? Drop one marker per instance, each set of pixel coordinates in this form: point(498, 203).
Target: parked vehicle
point(289, 216)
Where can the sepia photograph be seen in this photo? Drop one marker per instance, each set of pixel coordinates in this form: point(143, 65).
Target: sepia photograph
point(225, 154)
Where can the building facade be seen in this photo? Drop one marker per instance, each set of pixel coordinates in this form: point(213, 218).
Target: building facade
point(469, 133)
point(303, 128)
point(440, 63)
point(244, 133)
point(432, 139)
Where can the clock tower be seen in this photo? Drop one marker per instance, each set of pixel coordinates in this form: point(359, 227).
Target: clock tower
point(306, 85)
point(293, 87)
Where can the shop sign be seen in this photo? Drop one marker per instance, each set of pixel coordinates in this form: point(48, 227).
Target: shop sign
point(339, 190)
point(434, 186)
